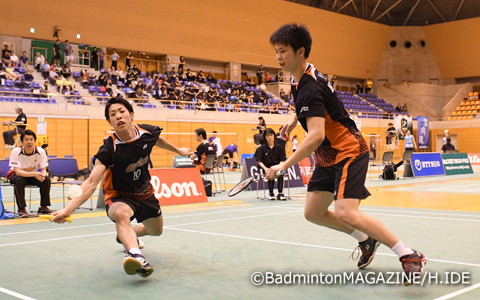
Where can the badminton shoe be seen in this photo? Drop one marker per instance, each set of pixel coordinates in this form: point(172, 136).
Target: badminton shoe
point(368, 249)
point(281, 197)
point(44, 210)
point(413, 266)
point(137, 264)
point(271, 197)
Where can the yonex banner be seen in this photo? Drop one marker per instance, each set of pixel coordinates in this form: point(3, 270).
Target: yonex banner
point(252, 169)
point(427, 164)
point(456, 163)
point(474, 158)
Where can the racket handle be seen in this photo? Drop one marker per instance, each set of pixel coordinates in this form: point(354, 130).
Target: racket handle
point(281, 173)
point(49, 217)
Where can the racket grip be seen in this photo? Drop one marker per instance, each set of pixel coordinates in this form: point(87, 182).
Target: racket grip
point(280, 173)
point(49, 217)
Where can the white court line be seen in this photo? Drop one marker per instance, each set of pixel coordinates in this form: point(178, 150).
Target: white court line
point(405, 211)
point(15, 294)
point(451, 187)
point(459, 292)
point(55, 229)
point(236, 218)
point(311, 245)
point(424, 217)
point(57, 239)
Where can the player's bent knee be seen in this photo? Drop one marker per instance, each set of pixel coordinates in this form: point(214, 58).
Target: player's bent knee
point(347, 217)
point(155, 231)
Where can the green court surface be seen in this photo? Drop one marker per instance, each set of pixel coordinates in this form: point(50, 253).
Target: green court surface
point(214, 250)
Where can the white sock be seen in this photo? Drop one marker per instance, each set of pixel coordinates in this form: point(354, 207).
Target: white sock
point(359, 236)
point(401, 250)
point(135, 251)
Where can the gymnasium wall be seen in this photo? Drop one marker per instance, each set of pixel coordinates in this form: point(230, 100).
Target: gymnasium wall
point(454, 46)
point(229, 31)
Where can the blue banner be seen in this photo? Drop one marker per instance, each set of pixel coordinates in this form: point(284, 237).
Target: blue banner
point(423, 133)
point(252, 169)
point(427, 164)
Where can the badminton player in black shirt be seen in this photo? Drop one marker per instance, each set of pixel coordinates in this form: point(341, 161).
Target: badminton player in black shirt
point(122, 161)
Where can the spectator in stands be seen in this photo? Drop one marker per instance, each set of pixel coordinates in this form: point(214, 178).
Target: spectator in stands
point(68, 50)
point(260, 74)
point(333, 80)
point(44, 89)
point(6, 57)
point(391, 133)
point(250, 82)
point(448, 145)
point(94, 56)
point(203, 150)
point(10, 74)
point(24, 60)
point(211, 78)
point(5, 50)
point(65, 71)
point(39, 60)
point(114, 59)
point(368, 85)
point(359, 87)
point(45, 69)
point(268, 78)
point(128, 60)
point(101, 58)
point(398, 107)
point(56, 53)
point(19, 121)
point(270, 154)
point(25, 162)
point(68, 85)
point(181, 65)
point(14, 59)
point(200, 77)
point(405, 107)
point(190, 75)
point(85, 56)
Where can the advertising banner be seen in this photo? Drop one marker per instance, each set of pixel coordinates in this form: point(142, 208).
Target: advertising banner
point(423, 133)
point(474, 159)
point(403, 123)
point(252, 169)
point(456, 163)
point(427, 164)
point(178, 186)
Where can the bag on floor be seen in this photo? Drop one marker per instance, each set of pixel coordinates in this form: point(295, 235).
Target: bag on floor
point(208, 187)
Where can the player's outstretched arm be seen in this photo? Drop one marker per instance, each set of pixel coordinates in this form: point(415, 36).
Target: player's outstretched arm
point(167, 145)
point(287, 128)
point(88, 188)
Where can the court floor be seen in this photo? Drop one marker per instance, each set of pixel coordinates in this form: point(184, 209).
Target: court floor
point(223, 249)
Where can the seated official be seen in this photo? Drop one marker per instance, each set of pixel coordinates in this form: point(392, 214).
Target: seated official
point(271, 154)
point(8, 136)
point(448, 145)
point(29, 167)
point(204, 149)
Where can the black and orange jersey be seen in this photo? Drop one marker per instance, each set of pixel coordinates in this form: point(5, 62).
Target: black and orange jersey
point(315, 97)
point(127, 163)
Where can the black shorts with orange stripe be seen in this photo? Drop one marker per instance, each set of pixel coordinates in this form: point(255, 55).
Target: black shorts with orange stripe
point(346, 179)
point(142, 210)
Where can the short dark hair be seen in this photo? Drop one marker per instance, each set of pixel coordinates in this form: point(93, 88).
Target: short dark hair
point(118, 100)
point(390, 124)
point(449, 139)
point(215, 131)
point(202, 132)
point(294, 35)
point(28, 132)
point(44, 146)
point(268, 131)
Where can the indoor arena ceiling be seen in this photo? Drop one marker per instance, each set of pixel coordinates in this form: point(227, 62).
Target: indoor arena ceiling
point(401, 12)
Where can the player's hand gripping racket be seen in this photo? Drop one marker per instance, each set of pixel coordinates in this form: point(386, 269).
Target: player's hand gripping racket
point(246, 183)
point(49, 217)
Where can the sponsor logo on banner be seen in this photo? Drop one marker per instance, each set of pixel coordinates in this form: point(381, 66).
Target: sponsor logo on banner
point(427, 164)
point(474, 158)
point(306, 169)
point(423, 133)
point(178, 186)
point(293, 173)
point(456, 163)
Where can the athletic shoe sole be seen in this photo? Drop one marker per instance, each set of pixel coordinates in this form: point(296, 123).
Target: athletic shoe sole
point(408, 283)
point(132, 266)
point(371, 257)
